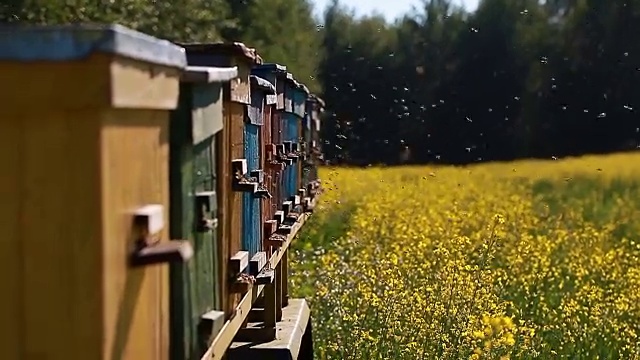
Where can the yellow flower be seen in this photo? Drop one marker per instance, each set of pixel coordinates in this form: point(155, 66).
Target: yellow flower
point(394, 261)
point(507, 322)
point(509, 339)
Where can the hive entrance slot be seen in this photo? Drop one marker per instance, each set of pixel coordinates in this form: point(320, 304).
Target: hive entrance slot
point(148, 222)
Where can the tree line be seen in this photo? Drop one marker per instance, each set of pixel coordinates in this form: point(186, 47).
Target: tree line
point(515, 78)
point(282, 31)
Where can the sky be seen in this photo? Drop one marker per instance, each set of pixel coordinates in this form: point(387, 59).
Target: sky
point(391, 9)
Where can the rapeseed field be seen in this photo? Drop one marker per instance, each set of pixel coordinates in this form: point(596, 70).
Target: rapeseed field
point(517, 260)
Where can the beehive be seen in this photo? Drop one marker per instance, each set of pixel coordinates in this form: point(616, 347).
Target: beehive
point(315, 151)
point(195, 132)
point(84, 149)
point(273, 163)
point(253, 143)
point(236, 97)
point(301, 94)
point(290, 130)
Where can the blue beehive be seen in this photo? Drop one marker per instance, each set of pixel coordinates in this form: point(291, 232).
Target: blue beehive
point(273, 164)
point(295, 99)
point(300, 95)
point(251, 212)
point(289, 130)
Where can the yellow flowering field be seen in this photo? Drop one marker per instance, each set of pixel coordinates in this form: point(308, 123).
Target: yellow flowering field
point(515, 260)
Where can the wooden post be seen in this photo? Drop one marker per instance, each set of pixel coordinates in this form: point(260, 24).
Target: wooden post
point(279, 287)
point(84, 150)
point(270, 306)
point(285, 278)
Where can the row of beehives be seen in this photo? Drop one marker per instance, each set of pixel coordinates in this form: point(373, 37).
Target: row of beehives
point(267, 143)
point(265, 137)
point(87, 114)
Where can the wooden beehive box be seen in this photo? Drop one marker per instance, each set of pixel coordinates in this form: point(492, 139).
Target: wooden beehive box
point(272, 136)
point(316, 145)
point(301, 93)
point(195, 132)
point(84, 150)
point(236, 96)
point(253, 143)
point(307, 163)
point(289, 136)
point(263, 97)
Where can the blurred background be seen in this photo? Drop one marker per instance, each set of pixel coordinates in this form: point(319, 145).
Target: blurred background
point(432, 81)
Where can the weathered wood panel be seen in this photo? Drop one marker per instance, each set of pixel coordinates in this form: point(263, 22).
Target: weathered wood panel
point(306, 135)
point(46, 188)
point(12, 304)
point(224, 205)
point(234, 122)
point(196, 286)
point(292, 130)
point(277, 122)
point(135, 299)
point(76, 181)
point(251, 226)
point(267, 209)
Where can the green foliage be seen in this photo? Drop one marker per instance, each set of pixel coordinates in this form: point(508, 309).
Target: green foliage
point(282, 31)
point(519, 78)
point(192, 20)
point(516, 78)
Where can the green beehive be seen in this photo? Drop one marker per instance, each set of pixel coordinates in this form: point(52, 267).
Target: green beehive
point(196, 287)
